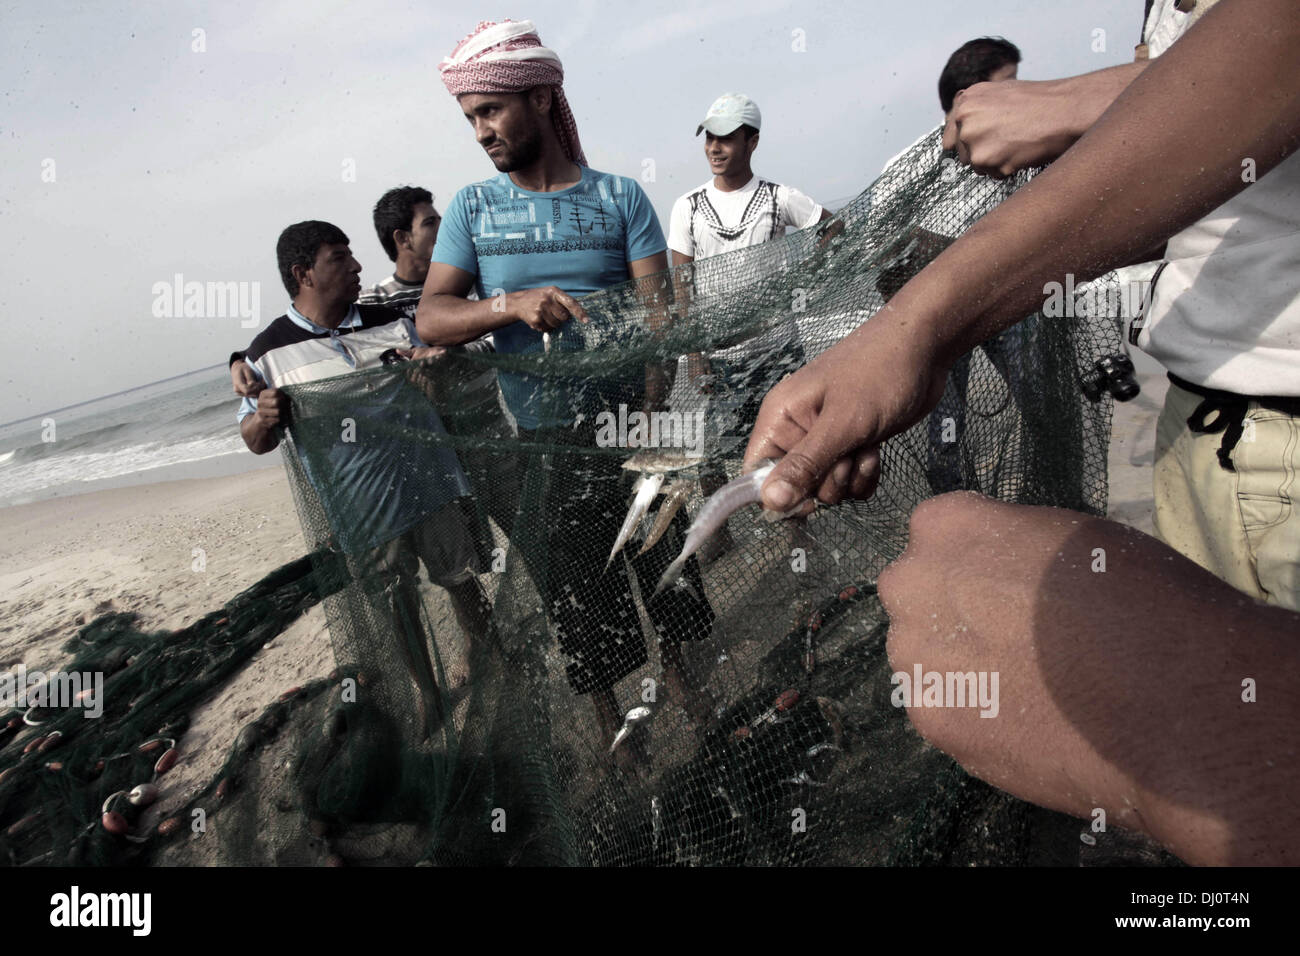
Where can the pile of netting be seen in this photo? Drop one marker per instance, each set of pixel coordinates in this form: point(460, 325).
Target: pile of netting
point(473, 724)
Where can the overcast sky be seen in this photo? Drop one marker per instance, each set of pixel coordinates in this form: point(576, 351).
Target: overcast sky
point(135, 148)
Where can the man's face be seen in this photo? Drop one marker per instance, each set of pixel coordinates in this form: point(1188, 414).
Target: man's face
point(335, 275)
point(728, 155)
point(424, 231)
point(507, 126)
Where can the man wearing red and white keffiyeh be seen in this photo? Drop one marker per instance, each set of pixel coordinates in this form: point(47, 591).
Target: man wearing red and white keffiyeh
point(508, 57)
point(546, 230)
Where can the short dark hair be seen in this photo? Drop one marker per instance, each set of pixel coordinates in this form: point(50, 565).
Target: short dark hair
point(298, 245)
point(395, 210)
point(750, 131)
point(974, 62)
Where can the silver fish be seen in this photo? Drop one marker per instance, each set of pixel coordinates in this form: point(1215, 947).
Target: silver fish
point(726, 798)
point(662, 460)
point(674, 498)
point(633, 717)
point(815, 749)
point(804, 778)
point(722, 504)
point(647, 486)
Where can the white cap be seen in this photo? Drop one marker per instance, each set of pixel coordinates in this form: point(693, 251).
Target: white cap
point(728, 113)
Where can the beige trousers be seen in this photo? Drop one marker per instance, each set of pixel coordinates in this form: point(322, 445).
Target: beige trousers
point(1243, 526)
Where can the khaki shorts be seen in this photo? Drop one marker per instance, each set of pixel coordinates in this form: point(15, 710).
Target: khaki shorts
point(1243, 525)
point(442, 541)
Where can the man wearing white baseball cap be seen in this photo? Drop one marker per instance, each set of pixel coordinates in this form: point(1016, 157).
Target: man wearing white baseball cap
point(733, 210)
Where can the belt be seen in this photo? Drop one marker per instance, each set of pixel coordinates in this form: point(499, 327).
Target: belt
point(1231, 409)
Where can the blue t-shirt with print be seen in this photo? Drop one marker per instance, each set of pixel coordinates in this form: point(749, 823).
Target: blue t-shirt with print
point(579, 239)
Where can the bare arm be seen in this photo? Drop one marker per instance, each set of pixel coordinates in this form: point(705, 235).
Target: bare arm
point(658, 376)
point(1121, 690)
point(259, 429)
point(1002, 127)
point(445, 317)
point(1150, 152)
point(697, 366)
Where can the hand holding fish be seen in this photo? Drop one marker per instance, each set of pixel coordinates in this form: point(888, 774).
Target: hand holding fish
point(824, 424)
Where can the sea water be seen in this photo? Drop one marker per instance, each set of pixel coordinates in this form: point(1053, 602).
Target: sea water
point(181, 427)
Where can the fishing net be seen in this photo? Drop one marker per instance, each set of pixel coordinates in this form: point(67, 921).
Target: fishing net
point(472, 723)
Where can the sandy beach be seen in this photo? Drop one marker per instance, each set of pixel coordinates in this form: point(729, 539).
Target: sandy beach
point(66, 561)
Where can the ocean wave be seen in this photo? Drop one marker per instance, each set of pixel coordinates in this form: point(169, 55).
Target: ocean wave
point(25, 478)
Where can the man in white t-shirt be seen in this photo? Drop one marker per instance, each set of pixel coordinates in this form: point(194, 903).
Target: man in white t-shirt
point(734, 210)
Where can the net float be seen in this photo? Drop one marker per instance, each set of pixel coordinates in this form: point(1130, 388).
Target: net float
point(114, 823)
point(223, 788)
point(849, 592)
point(149, 746)
point(33, 744)
point(289, 694)
point(50, 742)
point(85, 694)
point(6, 774)
point(218, 623)
point(13, 722)
point(170, 826)
point(166, 761)
point(54, 765)
point(143, 795)
point(743, 733)
point(113, 801)
point(784, 702)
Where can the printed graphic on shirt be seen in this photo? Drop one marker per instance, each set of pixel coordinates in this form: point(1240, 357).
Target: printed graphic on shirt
point(510, 223)
point(708, 221)
point(762, 205)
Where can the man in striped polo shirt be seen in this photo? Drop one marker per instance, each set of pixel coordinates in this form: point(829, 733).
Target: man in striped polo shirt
point(390, 503)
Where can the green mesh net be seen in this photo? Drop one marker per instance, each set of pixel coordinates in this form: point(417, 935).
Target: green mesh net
point(471, 723)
